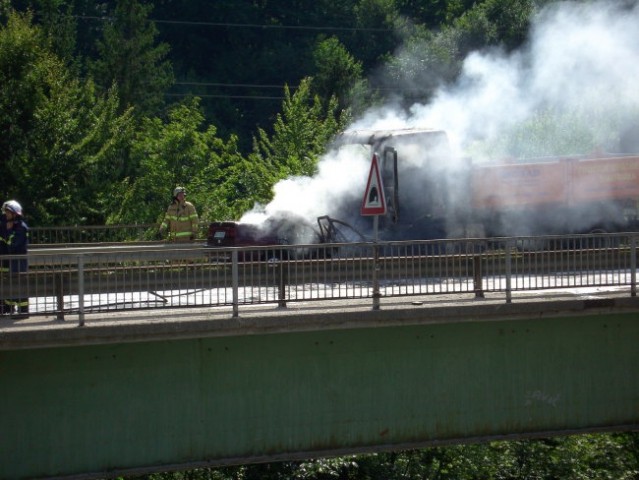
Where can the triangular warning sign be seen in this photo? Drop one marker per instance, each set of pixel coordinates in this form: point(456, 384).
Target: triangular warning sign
point(374, 202)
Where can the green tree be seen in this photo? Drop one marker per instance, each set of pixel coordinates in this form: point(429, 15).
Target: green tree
point(57, 21)
point(301, 132)
point(231, 184)
point(503, 23)
point(377, 38)
point(130, 58)
point(431, 14)
point(337, 72)
point(60, 142)
point(185, 151)
point(425, 61)
point(576, 457)
point(168, 154)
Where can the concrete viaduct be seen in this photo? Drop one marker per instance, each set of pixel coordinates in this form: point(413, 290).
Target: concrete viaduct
point(143, 392)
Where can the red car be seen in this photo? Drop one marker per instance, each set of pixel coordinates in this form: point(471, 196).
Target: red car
point(277, 230)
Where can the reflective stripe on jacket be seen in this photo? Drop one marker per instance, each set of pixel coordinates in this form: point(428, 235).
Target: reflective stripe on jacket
point(15, 241)
point(182, 221)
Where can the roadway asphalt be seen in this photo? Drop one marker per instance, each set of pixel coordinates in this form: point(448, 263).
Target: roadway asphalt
point(180, 323)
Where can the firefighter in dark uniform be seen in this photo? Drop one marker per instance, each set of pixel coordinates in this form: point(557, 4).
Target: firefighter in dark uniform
point(4, 267)
point(14, 240)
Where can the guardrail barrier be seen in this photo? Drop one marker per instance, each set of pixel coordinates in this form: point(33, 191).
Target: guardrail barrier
point(92, 234)
point(87, 280)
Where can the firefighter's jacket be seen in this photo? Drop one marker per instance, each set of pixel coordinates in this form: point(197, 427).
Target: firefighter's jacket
point(181, 220)
point(14, 240)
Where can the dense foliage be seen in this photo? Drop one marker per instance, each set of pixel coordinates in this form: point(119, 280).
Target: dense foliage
point(578, 457)
point(105, 106)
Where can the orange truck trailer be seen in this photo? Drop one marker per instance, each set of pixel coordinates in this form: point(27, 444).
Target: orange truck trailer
point(437, 196)
point(563, 195)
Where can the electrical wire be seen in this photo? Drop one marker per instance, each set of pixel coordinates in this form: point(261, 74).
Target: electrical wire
point(247, 25)
point(232, 85)
point(237, 25)
point(205, 95)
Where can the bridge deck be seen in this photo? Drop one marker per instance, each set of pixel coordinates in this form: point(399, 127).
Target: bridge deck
point(167, 389)
point(550, 348)
point(177, 323)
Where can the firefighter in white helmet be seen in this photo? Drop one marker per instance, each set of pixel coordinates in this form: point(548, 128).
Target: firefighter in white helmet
point(181, 219)
point(14, 240)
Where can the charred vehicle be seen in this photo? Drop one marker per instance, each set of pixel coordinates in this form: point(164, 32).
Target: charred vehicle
point(431, 195)
point(280, 230)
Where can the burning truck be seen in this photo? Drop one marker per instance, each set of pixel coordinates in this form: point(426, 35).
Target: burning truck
point(437, 196)
point(431, 195)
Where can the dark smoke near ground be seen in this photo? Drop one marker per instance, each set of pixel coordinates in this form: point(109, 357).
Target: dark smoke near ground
point(571, 90)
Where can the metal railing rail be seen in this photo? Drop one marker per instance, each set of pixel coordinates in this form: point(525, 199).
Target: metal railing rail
point(106, 279)
point(92, 234)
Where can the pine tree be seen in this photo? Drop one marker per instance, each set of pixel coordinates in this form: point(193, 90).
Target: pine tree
point(131, 59)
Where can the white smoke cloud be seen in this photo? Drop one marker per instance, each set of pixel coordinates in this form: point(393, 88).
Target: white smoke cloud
point(573, 86)
point(596, 63)
point(341, 176)
point(581, 63)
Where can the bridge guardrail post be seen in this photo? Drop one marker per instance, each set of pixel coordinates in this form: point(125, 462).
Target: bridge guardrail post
point(59, 295)
point(478, 286)
point(633, 266)
point(235, 283)
point(376, 270)
point(81, 290)
point(282, 279)
point(509, 246)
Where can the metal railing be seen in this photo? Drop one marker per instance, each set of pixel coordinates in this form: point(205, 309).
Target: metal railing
point(85, 234)
point(109, 279)
point(91, 234)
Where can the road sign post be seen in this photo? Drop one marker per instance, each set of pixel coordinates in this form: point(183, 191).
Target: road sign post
point(374, 204)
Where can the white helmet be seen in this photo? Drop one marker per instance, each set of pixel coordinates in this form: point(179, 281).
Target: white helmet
point(177, 190)
point(12, 206)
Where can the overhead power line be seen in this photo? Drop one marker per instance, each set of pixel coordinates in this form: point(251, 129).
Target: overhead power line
point(232, 85)
point(204, 95)
point(228, 95)
point(280, 87)
point(248, 25)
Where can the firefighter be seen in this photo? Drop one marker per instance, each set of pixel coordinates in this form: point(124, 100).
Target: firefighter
point(14, 237)
point(181, 218)
point(4, 267)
